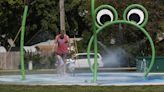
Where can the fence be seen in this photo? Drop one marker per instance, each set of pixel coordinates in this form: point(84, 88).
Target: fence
point(9, 61)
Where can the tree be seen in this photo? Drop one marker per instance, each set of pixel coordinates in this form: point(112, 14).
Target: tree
point(155, 23)
point(43, 21)
point(62, 15)
point(10, 19)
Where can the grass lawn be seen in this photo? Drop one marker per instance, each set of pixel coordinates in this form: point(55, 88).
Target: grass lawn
point(15, 88)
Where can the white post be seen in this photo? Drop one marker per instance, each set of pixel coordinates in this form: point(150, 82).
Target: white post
point(30, 66)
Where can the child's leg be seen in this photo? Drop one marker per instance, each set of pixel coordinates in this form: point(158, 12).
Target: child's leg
point(64, 56)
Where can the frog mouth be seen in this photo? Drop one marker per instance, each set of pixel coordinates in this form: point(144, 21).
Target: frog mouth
point(107, 24)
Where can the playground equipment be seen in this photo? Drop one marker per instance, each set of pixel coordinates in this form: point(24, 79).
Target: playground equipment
point(98, 25)
point(22, 41)
point(134, 15)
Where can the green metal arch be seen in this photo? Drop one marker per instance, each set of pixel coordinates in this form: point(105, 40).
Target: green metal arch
point(95, 39)
point(129, 23)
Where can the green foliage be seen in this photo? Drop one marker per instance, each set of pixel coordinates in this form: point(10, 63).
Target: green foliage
point(35, 58)
point(43, 16)
point(40, 60)
point(52, 60)
point(83, 44)
point(12, 2)
point(160, 48)
point(130, 34)
point(161, 25)
point(9, 15)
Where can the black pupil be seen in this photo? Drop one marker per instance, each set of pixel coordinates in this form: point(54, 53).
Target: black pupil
point(104, 18)
point(134, 17)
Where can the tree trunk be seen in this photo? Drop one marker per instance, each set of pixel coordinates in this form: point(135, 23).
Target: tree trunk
point(62, 15)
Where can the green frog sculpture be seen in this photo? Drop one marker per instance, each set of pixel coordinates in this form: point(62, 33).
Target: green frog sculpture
point(134, 15)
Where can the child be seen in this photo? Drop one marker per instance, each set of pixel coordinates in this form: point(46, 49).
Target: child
point(71, 67)
point(60, 65)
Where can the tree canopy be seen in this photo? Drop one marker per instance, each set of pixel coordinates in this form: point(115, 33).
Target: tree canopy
point(43, 19)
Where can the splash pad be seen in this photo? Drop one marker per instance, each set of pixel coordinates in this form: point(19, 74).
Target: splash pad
point(85, 79)
point(101, 78)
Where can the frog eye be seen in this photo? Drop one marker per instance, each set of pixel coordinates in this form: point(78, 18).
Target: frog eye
point(104, 14)
point(137, 14)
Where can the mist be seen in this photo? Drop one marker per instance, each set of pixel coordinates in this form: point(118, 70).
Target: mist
point(115, 57)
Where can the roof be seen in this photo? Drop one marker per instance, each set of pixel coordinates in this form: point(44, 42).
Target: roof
point(48, 42)
point(30, 49)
